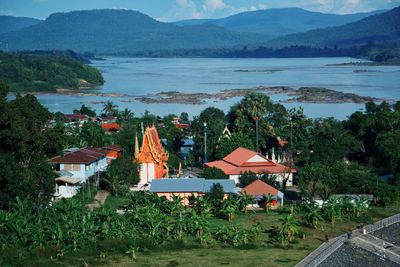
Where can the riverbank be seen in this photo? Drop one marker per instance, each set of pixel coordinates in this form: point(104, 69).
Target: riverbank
point(315, 95)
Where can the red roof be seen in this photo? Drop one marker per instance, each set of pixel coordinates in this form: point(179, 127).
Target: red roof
point(243, 160)
point(259, 188)
point(110, 126)
point(85, 155)
point(113, 147)
point(77, 117)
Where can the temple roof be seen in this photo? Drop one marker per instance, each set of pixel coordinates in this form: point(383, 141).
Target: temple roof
point(243, 160)
point(152, 147)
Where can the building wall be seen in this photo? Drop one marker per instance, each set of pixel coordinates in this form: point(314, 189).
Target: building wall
point(279, 178)
point(84, 171)
point(147, 173)
point(67, 191)
point(184, 195)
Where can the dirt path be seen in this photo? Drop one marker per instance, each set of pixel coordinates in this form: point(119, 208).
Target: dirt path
point(99, 199)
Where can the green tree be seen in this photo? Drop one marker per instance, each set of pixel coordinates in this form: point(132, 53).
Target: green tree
point(214, 173)
point(289, 227)
point(121, 171)
point(94, 135)
point(215, 119)
point(312, 214)
point(110, 109)
point(247, 178)
point(251, 114)
point(227, 145)
point(25, 145)
point(85, 111)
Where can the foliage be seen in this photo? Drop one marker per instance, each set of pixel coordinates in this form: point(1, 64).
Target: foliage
point(248, 177)
point(25, 145)
point(216, 193)
point(84, 110)
point(227, 145)
point(121, 172)
point(215, 119)
point(94, 135)
point(214, 173)
point(289, 227)
point(26, 72)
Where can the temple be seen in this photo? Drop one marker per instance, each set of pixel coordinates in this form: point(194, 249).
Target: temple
point(152, 157)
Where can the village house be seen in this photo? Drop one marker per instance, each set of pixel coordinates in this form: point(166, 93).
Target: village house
point(66, 187)
point(186, 188)
point(110, 127)
point(81, 163)
point(244, 160)
point(113, 152)
point(258, 189)
point(76, 119)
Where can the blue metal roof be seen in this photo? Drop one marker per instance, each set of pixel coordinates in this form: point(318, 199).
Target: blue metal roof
point(228, 185)
point(201, 185)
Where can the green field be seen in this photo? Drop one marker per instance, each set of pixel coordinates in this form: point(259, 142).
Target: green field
point(266, 251)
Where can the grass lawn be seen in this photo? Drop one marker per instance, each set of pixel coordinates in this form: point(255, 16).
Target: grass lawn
point(265, 252)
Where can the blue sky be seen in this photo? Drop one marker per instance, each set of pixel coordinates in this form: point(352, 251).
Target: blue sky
point(172, 10)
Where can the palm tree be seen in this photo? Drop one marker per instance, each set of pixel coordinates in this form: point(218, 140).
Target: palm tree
point(229, 208)
point(109, 108)
point(289, 227)
point(126, 115)
point(313, 214)
point(332, 209)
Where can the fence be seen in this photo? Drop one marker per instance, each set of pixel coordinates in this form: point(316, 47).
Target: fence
point(382, 224)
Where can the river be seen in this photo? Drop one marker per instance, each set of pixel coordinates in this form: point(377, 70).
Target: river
point(141, 76)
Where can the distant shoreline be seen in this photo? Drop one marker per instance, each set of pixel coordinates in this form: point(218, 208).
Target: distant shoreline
point(313, 95)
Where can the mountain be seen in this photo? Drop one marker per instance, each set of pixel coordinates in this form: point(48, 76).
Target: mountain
point(10, 23)
point(384, 27)
point(279, 21)
point(119, 31)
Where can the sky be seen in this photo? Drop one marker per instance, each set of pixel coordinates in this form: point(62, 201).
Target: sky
point(173, 10)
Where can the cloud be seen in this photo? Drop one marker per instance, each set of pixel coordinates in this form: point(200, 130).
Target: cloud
point(191, 9)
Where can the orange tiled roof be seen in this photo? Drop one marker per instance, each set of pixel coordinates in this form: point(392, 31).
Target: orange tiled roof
point(237, 162)
point(259, 188)
point(110, 126)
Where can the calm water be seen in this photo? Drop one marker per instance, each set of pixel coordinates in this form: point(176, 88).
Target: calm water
point(138, 77)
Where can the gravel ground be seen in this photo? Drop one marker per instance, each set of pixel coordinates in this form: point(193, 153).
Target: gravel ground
point(390, 234)
point(349, 255)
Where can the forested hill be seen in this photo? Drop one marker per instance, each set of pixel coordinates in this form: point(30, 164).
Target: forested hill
point(118, 30)
point(28, 72)
point(10, 23)
point(279, 21)
point(383, 27)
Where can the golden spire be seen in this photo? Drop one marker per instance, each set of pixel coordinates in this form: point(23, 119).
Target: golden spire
point(136, 147)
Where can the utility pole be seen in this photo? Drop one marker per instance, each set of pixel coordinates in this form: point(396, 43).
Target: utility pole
point(205, 142)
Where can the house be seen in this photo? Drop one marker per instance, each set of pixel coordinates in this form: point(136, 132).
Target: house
point(113, 152)
point(152, 157)
point(110, 127)
point(243, 160)
point(178, 124)
point(189, 187)
point(187, 147)
point(66, 187)
point(258, 189)
point(81, 163)
point(76, 119)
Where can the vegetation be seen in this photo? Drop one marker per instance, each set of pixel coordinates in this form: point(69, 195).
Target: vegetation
point(35, 72)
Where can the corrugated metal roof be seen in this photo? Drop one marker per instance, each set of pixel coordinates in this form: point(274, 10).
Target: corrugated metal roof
point(177, 185)
point(227, 184)
point(201, 185)
point(69, 180)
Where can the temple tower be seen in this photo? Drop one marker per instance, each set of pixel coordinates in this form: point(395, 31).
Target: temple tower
point(152, 157)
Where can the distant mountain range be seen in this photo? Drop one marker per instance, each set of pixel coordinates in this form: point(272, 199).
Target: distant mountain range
point(110, 31)
point(119, 30)
point(279, 21)
point(384, 27)
point(10, 23)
